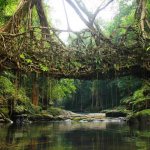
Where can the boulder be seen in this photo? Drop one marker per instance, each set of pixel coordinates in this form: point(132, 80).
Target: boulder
point(116, 114)
point(142, 118)
point(60, 117)
point(41, 117)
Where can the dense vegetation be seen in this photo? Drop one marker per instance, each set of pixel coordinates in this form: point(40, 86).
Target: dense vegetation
point(33, 92)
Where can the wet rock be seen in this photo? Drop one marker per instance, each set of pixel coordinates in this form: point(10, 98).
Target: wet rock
point(60, 117)
point(95, 120)
point(83, 121)
point(20, 119)
point(41, 117)
point(68, 120)
point(123, 118)
point(116, 114)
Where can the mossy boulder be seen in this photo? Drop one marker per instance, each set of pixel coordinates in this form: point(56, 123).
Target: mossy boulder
point(141, 117)
point(117, 112)
point(41, 117)
point(55, 111)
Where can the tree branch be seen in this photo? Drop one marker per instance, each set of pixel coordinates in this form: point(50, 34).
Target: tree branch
point(42, 17)
point(66, 15)
point(83, 8)
point(80, 14)
point(100, 8)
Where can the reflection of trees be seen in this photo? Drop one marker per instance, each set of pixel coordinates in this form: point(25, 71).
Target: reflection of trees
point(29, 137)
point(10, 135)
point(114, 137)
point(59, 136)
point(95, 139)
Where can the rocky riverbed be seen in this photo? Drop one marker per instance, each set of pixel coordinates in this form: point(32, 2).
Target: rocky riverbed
point(62, 116)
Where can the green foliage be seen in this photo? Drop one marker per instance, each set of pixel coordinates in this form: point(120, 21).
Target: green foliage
point(62, 89)
point(7, 8)
point(5, 111)
point(20, 109)
point(126, 100)
point(11, 7)
point(6, 87)
point(121, 23)
point(140, 99)
point(76, 65)
point(34, 109)
point(144, 134)
point(142, 113)
point(53, 92)
point(138, 94)
point(22, 56)
point(25, 58)
point(127, 85)
point(9, 92)
point(21, 96)
point(148, 49)
point(116, 66)
point(43, 67)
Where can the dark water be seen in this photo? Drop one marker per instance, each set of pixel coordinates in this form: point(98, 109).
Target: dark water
point(73, 136)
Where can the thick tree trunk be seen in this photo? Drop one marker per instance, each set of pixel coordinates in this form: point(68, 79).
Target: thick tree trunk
point(43, 19)
point(35, 91)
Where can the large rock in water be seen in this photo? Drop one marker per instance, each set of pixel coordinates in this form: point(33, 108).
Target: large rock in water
point(142, 118)
point(115, 114)
point(41, 117)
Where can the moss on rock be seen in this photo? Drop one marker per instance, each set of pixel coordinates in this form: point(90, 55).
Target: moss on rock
point(55, 111)
point(141, 117)
point(120, 111)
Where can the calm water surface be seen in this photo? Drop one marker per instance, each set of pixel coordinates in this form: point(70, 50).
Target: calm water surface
point(73, 136)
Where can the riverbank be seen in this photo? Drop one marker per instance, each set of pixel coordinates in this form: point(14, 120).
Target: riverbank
point(56, 114)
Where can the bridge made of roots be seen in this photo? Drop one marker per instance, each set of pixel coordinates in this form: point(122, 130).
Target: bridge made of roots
point(29, 48)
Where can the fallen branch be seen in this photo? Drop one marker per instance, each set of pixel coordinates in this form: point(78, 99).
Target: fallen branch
point(5, 118)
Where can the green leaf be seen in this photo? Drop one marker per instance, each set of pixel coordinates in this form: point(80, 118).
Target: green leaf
point(116, 66)
point(22, 56)
point(29, 61)
point(43, 67)
point(148, 49)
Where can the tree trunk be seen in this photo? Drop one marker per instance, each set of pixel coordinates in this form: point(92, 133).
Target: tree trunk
point(35, 90)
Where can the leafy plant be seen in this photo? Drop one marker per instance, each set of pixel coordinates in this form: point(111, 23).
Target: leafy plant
point(43, 67)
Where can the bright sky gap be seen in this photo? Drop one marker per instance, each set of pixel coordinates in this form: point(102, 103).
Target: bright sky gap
point(58, 16)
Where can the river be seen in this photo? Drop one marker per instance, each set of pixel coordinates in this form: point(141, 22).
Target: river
point(67, 135)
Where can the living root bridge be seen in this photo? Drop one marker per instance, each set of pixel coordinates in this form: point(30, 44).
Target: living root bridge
point(24, 47)
point(24, 53)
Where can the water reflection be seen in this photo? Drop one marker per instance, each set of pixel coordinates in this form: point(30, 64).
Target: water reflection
point(74, 136)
